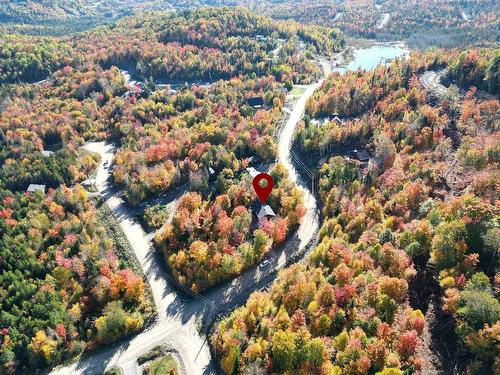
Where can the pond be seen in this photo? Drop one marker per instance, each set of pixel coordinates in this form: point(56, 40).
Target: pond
point(368, 58)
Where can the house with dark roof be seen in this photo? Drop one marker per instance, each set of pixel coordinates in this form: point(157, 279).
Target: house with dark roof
point(362, 155)
point(256, 102)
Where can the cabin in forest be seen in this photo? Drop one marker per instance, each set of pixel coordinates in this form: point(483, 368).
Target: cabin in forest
point(32, 188)
point(256, 102)
point(337, 120)
point(265, 211)
point(362, 155)
point(47, 153)
point(261, 211)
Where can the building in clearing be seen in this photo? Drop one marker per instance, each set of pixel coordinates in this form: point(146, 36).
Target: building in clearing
point(35, 187)
point(265, 211)
point(252, 172)
point(47, 153)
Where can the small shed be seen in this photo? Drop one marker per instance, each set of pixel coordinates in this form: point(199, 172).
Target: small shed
point(47, 153)
point(35, 187)
point(265, 211)
point(256, 102)
point(361, 155)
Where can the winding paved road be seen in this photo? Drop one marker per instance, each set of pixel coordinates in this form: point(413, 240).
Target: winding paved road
point(180, 317)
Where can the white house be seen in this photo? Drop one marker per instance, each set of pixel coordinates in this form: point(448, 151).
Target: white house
point(35, 187)
point(253, 172)
point(265, 211)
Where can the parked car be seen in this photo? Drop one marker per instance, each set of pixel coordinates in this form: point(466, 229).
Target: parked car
point(264, 264)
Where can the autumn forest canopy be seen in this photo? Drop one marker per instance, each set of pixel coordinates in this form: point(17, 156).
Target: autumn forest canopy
point(66, 282)
point(439, 23)
point(425, 202)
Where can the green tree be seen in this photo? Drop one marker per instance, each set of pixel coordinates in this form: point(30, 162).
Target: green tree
point(111, 325)
point(478, 308)
point(315, 352)
point(448, 245)
point(284, 350)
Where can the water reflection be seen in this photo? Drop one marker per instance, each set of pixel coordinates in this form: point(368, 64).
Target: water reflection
point(368, 58)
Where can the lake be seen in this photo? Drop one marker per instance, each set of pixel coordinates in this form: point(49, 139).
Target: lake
point(368, 58)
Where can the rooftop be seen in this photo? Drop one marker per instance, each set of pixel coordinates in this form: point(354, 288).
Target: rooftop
point(361, 155)
point(252, 171)
point(337, 119)
point(265, 211)
point(35, 187)
point(256, 102)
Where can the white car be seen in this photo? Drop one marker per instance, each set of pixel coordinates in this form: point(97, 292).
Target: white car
point(264, 264)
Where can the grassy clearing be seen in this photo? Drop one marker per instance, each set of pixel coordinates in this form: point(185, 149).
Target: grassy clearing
point(162, 366)
point(297, 91)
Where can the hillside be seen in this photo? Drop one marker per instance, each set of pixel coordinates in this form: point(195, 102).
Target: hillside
point(421, 23)
point(60, 17)
point(432, 22)
point(67, 284)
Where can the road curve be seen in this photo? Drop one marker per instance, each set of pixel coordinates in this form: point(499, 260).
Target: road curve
point(178, 321)
point(171, 327)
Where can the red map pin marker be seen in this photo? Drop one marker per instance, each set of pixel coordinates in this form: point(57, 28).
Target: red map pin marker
point(263, 192)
